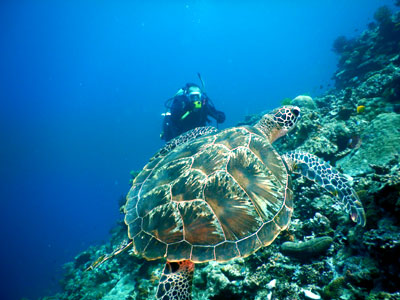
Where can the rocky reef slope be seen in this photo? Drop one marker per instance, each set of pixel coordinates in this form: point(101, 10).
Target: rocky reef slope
point(356, 127)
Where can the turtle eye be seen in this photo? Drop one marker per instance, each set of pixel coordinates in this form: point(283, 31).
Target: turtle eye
point(296, 111)
point(291, 115)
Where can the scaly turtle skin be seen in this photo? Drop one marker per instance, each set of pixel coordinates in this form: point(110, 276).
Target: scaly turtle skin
point(217, 195)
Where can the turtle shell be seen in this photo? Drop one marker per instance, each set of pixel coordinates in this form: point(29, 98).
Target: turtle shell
point(218, 197)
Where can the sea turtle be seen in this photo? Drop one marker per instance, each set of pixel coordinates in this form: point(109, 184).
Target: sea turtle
point(217, 195)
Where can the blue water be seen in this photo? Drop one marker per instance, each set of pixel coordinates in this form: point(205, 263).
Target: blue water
point(82, 89)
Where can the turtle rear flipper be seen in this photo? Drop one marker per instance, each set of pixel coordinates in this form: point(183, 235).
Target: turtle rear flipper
point(325, 175)
point(176, 281)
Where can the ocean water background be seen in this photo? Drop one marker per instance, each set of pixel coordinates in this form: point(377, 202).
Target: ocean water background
point(82, 90)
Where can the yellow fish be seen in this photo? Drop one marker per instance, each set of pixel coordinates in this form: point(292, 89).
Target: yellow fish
point(360, 109)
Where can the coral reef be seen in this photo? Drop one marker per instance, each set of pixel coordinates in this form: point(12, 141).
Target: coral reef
point(346, 261)
point(372, 51)
point(376, 149)
point(303, 101)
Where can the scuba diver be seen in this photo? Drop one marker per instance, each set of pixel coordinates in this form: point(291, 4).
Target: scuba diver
point(190, 108)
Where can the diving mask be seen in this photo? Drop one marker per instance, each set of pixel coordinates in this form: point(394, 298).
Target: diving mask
point(195, 96)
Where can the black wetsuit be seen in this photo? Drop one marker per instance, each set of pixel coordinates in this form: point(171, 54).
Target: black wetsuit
point(177, 123)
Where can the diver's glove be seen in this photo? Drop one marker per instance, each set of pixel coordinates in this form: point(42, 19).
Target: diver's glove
point(220, 117)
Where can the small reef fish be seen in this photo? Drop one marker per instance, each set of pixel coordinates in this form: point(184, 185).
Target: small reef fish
point(360, 109)
point(354, 142)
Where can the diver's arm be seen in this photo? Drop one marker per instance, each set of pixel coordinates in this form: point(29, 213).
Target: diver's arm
point(219, 116)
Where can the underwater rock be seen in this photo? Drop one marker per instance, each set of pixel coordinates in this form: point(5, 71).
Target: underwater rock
point(335, 288)
point(376, 82)
point(233, 272)
point(82, 259)
point(307, 250)
point(346, 111)
point(384, 244)
point(320, 146)
point(271, 284)
point(311, 295)
point(380, 144)
point(303, 101)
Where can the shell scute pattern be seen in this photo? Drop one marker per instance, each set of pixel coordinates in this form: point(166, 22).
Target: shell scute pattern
point(189, 186)
point(130, 210)
point(258, 182)
point(226, 251)
point(134, 227)
point(141, 240)
point(133, 192)
point(233, 138)
point(200, 225)
point(186, 150)
point(146, 172)
point(179, 251)
point(164, 223)
point(155, 249)
point(269, 157)
point(249, 245)
point(211, 159)
point(218, 197)
point(231, 206)
point(131, 202)
point(165, 174)
point(283, 217)
point(203, 253)
point(153, 198)
point(268, 232)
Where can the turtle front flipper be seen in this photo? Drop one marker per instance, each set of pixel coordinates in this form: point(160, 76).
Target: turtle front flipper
point(176, 281)
point(317, 170)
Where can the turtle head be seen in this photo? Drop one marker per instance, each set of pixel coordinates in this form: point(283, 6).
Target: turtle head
point(279, 122)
